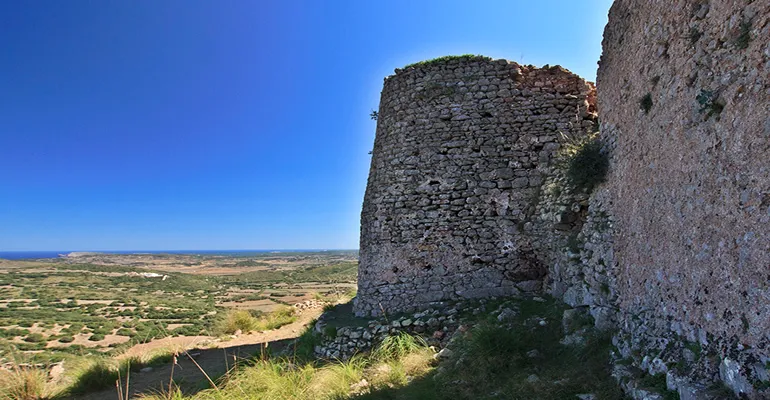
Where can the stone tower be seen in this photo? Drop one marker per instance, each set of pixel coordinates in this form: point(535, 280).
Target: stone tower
point(462, 148)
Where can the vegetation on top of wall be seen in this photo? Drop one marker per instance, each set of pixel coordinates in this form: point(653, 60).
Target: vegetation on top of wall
point(467, 57)
point(586, 163)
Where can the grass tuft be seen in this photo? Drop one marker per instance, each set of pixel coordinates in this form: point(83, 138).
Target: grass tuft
point(96, 374)
point(398, 346)
point(237, 320)
point(277, 319)
point(245, 321)
point(23, 383)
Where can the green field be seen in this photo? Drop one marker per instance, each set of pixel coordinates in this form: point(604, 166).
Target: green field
point(49, 310)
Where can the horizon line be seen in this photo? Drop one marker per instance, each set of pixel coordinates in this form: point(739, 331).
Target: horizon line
point(173, 250)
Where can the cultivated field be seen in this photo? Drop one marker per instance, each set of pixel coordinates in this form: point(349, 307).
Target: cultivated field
point(103, 304)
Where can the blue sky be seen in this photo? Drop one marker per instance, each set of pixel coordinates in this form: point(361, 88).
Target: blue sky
point(179, 124)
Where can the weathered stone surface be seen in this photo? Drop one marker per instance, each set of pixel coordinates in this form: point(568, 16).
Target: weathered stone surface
point(690, 179)
point(684, 99)
point(730, 373)
point(461, 151)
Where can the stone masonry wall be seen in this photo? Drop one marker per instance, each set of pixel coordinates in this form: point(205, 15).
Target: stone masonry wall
point(463, 146)
point(684, 97)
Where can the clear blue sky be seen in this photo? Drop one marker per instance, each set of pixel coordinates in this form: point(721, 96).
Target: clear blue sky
point(128, 125)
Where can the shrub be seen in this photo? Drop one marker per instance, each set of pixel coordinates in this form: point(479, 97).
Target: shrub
point(66, 339)
point(13, 332)
point(34, 338)
point(304, 346)
point(30, 346)
point(96, 337)
point(448, 58)
point(153, 359)
point(187, 330)
point(125, 332)
point(74, 328)
point(95, 375)
point(102, 331)
point(645, 103)
point(587, 164)
point(276, 319)
point(236, 320)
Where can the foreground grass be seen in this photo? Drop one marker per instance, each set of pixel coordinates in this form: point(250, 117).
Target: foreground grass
point(22, 383)
point(520, 359)
point(394, 363)
point(93, 372)
point(96, 373)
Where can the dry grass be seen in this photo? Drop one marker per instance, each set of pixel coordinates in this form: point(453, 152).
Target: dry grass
point(245, 321)
point(22, 383)
point(287, 379)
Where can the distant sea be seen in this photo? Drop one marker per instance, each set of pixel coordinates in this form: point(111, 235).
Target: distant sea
point(23, 255)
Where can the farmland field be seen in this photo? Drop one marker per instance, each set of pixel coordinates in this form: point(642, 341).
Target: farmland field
point(102, 304)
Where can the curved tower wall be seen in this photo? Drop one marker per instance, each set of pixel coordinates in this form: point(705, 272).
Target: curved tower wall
point(461, 151)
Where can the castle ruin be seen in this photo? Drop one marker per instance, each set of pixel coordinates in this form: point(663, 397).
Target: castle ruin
point(462, 149)
point(671, 254)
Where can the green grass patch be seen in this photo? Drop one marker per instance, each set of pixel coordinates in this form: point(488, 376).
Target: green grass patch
point(444, 59)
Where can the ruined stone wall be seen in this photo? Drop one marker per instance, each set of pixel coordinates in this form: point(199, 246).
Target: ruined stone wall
point(684, 99)
point(462, 149)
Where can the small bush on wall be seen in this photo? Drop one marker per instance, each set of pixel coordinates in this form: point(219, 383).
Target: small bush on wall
point(645, 103)
point(587, 164)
